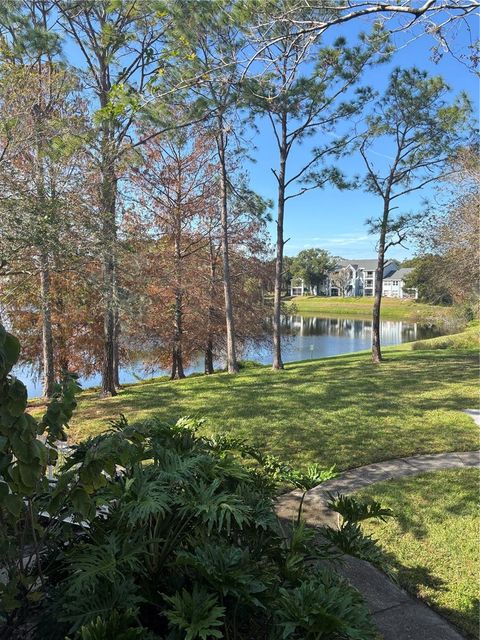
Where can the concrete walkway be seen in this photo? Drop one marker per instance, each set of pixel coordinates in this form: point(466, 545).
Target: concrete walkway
point(474, 414)
point(397, 615)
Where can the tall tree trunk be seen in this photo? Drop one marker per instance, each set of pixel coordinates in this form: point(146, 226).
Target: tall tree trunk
point(177, 354)
point(209, 369)
point(108, 204)
point(211, 310)
point(42, 213)
point(108, 369)
point(108, 197)
point(47, 334)
point(116, 335)
point(116, 348)
point(232, 365)
point(277, 297)
point(376, 342)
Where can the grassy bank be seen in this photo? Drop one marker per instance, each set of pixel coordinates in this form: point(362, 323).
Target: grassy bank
point(392, 308)
point(431, 545)
point(341, 410)
point(467, 339)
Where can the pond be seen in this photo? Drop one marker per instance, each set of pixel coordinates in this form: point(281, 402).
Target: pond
point(309, 337)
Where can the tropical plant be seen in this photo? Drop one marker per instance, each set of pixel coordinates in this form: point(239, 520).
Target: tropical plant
point(27, 447)
point(180, 535)
point(349, 536)
point(152, 530)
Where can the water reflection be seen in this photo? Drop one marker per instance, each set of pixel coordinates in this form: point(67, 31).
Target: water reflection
point(315, 337)
point(393, 332)
point(307, 337)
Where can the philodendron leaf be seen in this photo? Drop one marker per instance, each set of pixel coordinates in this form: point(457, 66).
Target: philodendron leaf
point(195, 614)
point(3, 490)
point(82, 502)
point(13, 504)
point(30, 473)
point(11, 348)
point(17, 398)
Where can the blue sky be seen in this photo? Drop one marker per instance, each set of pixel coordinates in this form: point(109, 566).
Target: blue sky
point(335, 220)
point(332, 219)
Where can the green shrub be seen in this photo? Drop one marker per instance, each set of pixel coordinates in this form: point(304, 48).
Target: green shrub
point(188, 539)
point(27, 448)
point(248, 364)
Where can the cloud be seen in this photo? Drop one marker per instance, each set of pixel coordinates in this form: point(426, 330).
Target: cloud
point(353, 246)
point(345, 239)
point(342, 240)
point(359, 245)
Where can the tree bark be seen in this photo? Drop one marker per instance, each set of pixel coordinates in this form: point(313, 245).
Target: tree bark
point(232, 365)
point(376, 341)
point(108, 197)
point(116, 346)
point(177, 355)
point(45, 295)
point(209, 369)
point(47, 333)
point(277, 297)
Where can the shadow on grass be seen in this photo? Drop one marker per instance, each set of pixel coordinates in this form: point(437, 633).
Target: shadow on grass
point(343, 409)
point(449, 492)
point(418, 578)
point(423, 583)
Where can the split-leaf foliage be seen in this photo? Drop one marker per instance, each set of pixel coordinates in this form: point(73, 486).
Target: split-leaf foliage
point(152, 531)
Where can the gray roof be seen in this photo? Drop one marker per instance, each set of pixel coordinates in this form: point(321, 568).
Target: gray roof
point(368, 265)
point(400, 274)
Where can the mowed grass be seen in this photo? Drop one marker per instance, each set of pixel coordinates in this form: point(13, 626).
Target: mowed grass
point(391, 308)
point(467, 339)
point(340, 410)
point(431, 545)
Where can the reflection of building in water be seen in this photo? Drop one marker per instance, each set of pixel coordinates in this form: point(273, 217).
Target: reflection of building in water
point(392, 332)
point(397, 331)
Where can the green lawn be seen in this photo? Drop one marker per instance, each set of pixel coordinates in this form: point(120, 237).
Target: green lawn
point(432, 544)
point(341, 410)
point(469, 338)
point(391, 309)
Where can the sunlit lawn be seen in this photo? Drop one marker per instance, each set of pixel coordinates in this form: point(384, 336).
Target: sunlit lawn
point(391, 308)
point(341, 410)
point(432, 543)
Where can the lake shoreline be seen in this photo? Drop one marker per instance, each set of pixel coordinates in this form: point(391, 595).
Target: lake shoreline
point(307, 337)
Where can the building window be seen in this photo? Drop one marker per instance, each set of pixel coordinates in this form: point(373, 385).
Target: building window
point(369, 274)
point(368, 292)
point(369, 283)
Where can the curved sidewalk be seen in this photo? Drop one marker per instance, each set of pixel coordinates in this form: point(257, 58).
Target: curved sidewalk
point(397, 615)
